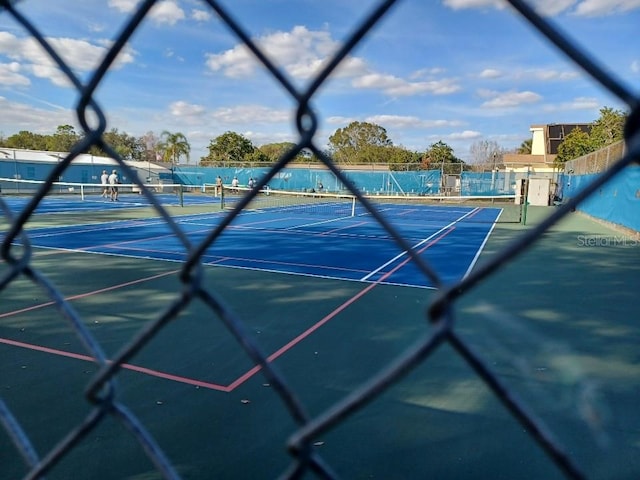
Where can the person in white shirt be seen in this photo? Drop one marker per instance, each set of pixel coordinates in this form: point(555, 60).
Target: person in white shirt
point(113, 182)
point(105, 184)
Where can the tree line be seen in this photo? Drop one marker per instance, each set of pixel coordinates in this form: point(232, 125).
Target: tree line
point(168, 147)
point(357, 143)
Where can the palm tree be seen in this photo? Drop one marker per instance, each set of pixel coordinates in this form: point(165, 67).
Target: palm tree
point(174, 146)
point(525, 147)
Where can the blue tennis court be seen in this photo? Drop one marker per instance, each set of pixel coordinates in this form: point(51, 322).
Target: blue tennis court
point(70, 203)
point(300, 242)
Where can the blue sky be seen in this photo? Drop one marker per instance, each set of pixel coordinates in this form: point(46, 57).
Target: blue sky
point(459, 71)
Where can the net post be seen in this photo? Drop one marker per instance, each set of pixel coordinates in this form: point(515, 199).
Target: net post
point(82, 192)
point(222, 197)
point(353, 206)
point(525, 201)
point(180, 195)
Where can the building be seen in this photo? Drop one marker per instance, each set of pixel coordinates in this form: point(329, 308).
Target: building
point(544, 148)
point(22, 164)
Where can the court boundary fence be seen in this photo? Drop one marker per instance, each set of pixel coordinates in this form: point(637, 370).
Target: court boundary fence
point(102, 393)
point(597, 161)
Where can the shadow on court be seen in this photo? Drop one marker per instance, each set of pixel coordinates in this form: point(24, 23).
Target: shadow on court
point(558, 325)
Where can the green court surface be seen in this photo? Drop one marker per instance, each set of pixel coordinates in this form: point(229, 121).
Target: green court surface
point(559, 326)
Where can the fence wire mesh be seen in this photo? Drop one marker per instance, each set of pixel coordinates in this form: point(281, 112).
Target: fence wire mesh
point(102, 393)
point(597, 161)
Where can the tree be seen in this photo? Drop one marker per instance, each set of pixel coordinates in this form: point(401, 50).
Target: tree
point(128, 147)
point(359, 142)
point(151, 145)
point(258, 156)
point(608, 129)
point(27, 140)
point(276, 150)
point(63, 140)
point(441, 155)
point(525, 147)
point(399, 158)
point(575, 144)
point(228, 147)
point(174, 146)
point(487, 154)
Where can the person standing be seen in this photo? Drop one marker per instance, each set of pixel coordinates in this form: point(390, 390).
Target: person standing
point(104, 179)
point(113, 182)
point(218, 190)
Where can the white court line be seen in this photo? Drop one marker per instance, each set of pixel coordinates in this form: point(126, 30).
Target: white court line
point(414, 247)
point(484, 242)
point(331, 220)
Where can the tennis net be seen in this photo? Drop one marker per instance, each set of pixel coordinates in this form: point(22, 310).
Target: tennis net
point(480, 209)
point(88, 191)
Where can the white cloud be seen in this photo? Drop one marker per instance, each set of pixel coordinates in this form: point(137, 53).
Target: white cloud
point(552, 75)
point(401, 121)
point(96, 27)
point(19, 116)
point(508, 99)
point(80, 55)
point(10, 75)
point(235, 63)
point(598, 8)
point(579, 103)
point(338, 120)
point(350, 67)
point(543, 74)
point(398, 87)
point(302, 53)
point(251, 114)
point(490, 73)
point(587, 8)
point(124, 6)
point(261, 138)
point(167, 12)
point(200, 15)
point(635, 66)
point(184, 109)
point(464, 4)
point(164, 12)
point(552, 7)
point(426, 73)
point(464, 135)
point(194, 114)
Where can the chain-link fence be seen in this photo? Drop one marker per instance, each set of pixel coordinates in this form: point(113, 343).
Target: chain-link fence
point(103, 396)
point(597, 161)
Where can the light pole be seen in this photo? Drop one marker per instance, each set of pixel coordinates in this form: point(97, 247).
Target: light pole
point(493, 173)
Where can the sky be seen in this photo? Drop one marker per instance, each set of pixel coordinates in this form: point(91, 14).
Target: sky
point(457, 71)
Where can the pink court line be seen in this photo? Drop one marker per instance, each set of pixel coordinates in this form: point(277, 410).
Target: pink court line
point(128, 366)
point(250, 373)
point(87, 294)
point(148, 371)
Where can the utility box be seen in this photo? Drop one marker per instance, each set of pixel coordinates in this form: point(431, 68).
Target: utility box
point(539, 191)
